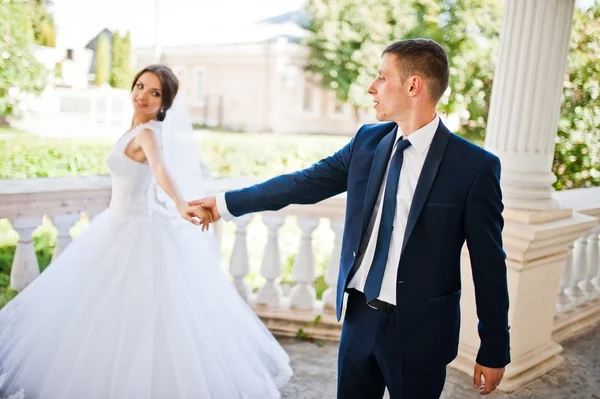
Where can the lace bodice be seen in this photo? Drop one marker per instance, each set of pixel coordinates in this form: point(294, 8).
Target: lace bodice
point(131, 180)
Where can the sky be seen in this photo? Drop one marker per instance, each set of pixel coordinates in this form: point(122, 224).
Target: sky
point(181, 22)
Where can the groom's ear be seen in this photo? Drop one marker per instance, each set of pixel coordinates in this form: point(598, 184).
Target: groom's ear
point(415, 85)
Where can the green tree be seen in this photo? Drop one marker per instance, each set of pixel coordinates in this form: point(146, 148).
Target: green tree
point(348, 37)
point(577, 154)
point(120, 72)
point(102, 61)
point(20, 72)
point(44, 29)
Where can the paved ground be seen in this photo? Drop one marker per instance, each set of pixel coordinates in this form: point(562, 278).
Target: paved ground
point(315, 374)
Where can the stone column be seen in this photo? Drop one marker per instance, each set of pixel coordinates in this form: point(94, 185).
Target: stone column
point(526, 98)
point(522, 127)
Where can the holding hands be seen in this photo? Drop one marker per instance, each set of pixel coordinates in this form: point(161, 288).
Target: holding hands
point(201, 212)
point(195, 214)
point(210, 205)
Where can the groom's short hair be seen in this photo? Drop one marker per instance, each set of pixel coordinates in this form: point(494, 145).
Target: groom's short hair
point(423, 57)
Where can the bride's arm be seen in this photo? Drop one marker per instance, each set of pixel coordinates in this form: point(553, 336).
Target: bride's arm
point(149, 145)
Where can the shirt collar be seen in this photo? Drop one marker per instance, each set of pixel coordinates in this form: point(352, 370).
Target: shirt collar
point(421, 139)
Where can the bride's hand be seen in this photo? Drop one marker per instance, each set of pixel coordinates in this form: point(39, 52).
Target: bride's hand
point(196, 215)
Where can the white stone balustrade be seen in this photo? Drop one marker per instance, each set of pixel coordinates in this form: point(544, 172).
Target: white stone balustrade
point(578, 302)
point(582, 268)
point(63, 200)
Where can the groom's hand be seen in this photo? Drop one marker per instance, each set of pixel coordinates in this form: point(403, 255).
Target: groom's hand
point(210, 204)
point(491, 378)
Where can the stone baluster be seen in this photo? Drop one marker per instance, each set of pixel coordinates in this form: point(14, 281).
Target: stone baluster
point(593, 258)
point(25, 267)
point(580, 267)
point(333, 267)
point(573, 291)
point(240, 266)
point(63, 224)
point(303, 295)
point(218, 229)
point(564, 302)
point(270, 293)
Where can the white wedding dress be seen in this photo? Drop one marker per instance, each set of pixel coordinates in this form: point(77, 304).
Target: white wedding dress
point(137, 307)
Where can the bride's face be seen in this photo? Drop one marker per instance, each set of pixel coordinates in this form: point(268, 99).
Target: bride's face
point(147, 95)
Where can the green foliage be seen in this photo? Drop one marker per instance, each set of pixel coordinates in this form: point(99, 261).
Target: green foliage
point(302, 335)
point(20, 72)
point(24, 156)
point(348, 37)
point(102, 61)
point(120, 71)
point(226, 154)
point(263, 156)
point(577, 155)
point(44, 29)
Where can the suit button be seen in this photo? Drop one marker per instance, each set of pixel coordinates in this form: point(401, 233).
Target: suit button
point(354, 254)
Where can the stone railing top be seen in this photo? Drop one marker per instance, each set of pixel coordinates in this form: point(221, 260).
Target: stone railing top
point(53, 196)
point(582, 200)
point(53, 185)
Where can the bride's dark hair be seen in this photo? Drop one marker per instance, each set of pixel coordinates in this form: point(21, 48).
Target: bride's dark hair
point(168, 82)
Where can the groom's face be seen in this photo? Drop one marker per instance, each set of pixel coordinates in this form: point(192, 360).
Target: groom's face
point(388, 91)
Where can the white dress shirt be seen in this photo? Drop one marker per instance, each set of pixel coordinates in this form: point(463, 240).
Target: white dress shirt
point(412, 164)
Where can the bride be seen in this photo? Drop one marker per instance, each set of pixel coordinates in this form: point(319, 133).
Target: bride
point(137, 306)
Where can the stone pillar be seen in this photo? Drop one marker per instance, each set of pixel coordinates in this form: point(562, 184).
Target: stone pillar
point(526, 98)
point(522, 127)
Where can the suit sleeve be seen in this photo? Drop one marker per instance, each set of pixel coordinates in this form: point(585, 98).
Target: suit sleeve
point(322, 180)
point(483, 228)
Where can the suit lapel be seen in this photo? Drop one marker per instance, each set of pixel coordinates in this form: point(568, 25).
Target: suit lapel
point(426, 179)
point(378, 167)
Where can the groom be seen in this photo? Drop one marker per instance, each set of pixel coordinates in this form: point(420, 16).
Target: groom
point(415, 193)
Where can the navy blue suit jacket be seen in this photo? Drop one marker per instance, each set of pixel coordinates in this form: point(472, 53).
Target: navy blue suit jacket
point(457, 198)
